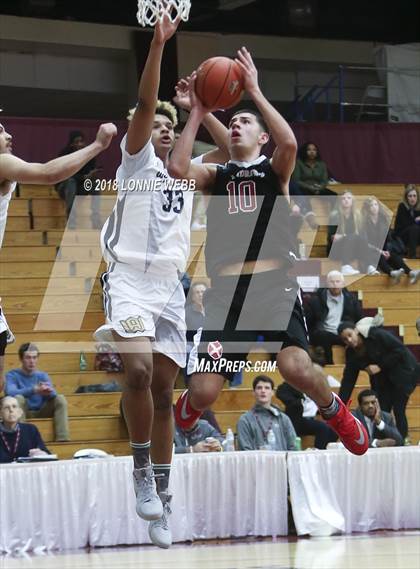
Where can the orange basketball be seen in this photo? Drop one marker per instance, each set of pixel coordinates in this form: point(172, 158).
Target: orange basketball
point(219, 83)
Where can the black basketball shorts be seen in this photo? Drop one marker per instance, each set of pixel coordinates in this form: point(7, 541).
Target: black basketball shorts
point(239, 311)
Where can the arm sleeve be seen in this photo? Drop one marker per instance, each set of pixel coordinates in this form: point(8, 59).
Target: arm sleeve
point(324, 174)
point(12, 388)
point(244, 433)
point(39, 441)
point(351, 371)
point(390, 431)
point(290, 433)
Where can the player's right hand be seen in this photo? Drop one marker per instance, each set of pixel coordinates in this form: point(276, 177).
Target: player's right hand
point(165, 28)
point(105, 134)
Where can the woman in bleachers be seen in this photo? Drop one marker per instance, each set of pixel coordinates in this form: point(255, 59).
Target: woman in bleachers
point(375, 226)
point(346, 241)
point(407, 221)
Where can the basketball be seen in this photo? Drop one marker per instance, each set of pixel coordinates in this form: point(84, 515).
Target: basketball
point(219, 83)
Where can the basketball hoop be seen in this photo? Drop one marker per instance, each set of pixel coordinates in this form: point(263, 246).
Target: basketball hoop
point(151, 11)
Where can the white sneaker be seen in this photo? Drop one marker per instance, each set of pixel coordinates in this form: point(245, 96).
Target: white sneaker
point(148, 504)
point(197, 226)
point(371, 270)
point(349, 270)
point(159, 531)
point(396, 275)
point(414, 276)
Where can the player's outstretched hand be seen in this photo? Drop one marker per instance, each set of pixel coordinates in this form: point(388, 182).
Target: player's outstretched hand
point(165, 28)
point(249, 71)
point(106, 133)
point(182, 94)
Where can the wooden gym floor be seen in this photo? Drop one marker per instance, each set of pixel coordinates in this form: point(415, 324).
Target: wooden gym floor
point(378, 550)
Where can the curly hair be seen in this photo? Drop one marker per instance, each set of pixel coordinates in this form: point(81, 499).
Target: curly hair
point(162, 108)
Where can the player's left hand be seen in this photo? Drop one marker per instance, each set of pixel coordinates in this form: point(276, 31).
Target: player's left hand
point(249, 71)
point(165, 29)
point(182, 94)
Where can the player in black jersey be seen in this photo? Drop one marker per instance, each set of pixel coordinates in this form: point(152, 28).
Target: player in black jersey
point(248, 254)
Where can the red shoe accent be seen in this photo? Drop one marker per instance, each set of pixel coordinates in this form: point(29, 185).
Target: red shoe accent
point(185, 415)
point(352, 433)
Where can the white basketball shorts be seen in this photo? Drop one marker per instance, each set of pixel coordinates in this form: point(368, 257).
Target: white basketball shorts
point(139, 304)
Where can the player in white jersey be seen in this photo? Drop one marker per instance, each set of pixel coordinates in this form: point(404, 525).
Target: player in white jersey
point(14, 170)
point(146, 244)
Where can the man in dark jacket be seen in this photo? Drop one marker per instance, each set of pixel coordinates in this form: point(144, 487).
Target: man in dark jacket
point(379, 424)
point(327, 309)
point(302, 411)
point(392, 367)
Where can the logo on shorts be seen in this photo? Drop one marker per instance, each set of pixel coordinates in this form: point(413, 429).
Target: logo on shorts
point(132, 324)
point(215, 350)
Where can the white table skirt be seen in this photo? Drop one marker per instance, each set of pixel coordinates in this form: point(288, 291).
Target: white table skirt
point(335, 491)
point(71, 504)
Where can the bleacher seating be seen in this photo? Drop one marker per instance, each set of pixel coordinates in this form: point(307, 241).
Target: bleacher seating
point(34, 247)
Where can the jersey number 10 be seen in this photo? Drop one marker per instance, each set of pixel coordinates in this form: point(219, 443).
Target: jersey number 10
point(247, 197)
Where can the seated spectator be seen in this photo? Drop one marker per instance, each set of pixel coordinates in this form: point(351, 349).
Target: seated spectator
point(253, 427)
point(346, 241)
point(326, 310)
point(194, 309)
point(74, 186)
point(407, 220)
point(6, 337)
point(35, 393)
point(17, 439)
point(302, 411)
point(311, 173)
point(202, 437)
point(392, 368)
point(379, 425)
point(375, 225)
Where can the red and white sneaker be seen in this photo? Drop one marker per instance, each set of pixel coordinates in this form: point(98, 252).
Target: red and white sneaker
point(185, 415)
point(352, 433)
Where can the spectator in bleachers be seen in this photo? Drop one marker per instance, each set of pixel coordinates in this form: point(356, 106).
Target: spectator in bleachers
point(74, 186)
point(202, 437)
point(17, 439)
point(35, 393)
point(375, 225)
point(346, 241)
point(407, 220)
point(194, 309)
point(327, 308)
point(392, 367)
point(379, 424)
point(311, 173)
point(302, 411)
point(254, 426)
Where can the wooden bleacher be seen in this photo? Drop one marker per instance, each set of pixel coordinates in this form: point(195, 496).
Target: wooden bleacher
point(30, 251)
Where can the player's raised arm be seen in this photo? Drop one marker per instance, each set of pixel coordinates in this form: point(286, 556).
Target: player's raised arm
point(284, 156)
point(180, 165)
point(17, 170)
point(140, 128)
point(216, 128)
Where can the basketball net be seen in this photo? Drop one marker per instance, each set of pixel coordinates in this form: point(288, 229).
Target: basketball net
point(151, 11)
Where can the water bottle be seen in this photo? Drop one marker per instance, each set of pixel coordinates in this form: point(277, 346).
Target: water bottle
point(83, 362)
point(298, 443)
point(229, 445)
point(271, 440)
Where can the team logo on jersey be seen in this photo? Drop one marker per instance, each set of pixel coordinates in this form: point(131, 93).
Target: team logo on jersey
point(133, 324)
point(215, 350)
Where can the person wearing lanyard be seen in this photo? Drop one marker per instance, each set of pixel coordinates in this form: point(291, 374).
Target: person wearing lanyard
point(253, 427)
point(17, 439)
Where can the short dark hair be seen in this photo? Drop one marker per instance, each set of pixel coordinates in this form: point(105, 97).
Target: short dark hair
point(365, 393)
point(256, 114)
point(344, 325)
point(27, 347)
point(263, 378)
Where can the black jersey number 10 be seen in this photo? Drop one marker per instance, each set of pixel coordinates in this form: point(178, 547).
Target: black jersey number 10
point(175, 201)
point(242, 197)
